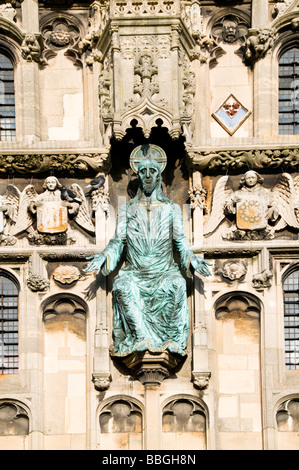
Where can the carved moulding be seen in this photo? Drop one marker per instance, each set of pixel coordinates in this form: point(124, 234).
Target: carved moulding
point(101, 381)
point(146, 115)
point(61, 32)
point(236, 160)
point(66, 274)
point(151, 368)
point(145, 8)
point(61, 163)
point(201, 380)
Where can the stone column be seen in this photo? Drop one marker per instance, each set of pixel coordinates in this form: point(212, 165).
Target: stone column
point(30, 20)
point(117, 76)
point(201, 115)
point(175, 41)
point(101, 373)
point(152, 438)
point(263, 94)
point(200, 373)
point(259, 13)
point(265, 110)
point(151, 369)
point(30, 78)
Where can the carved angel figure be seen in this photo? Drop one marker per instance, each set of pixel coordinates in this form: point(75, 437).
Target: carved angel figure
point(9, 203)
point(257, 212)
point(51, 212)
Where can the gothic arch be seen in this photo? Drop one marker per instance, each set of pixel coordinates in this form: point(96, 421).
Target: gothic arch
point(184, 422)
point(286, 413)
point(244, 301)
point(120, 419)
point(64, 303)
point(14, 418)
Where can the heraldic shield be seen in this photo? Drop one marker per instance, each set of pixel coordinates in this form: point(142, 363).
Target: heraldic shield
point(251, 213)
point(52, 217)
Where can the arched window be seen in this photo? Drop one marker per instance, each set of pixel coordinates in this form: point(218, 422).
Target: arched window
point(7, 99)
point(288, 92)
point(291, 319)
point(9, 356)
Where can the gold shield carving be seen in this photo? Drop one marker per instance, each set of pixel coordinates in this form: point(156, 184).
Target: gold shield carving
point(251, 213)
point(52, 217)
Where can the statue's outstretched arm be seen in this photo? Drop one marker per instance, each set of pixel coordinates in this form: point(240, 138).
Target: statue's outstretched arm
point(108, 260)
point(189, 261)
point(201, 266)
point(97, 262)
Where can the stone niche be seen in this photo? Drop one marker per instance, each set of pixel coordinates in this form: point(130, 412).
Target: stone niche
point(184, 425)
point(14, 420)
point(121, 425)
point(239, 375)
point(287, 420)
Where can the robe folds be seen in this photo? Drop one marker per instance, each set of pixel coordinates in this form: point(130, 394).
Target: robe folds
point(149, 293)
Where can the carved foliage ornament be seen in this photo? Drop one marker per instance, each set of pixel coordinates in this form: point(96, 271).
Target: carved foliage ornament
point(66, 274)
point(197, 196)
point(7, 11)
point(233, 270)
point(232, 160)
point(70, 164)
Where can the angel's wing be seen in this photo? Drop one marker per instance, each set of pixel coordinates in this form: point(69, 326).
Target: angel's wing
point(222, 191)
point(24, 218)
point(82, 218)
point(284, 196)
point(296, 189)
point(12, 197)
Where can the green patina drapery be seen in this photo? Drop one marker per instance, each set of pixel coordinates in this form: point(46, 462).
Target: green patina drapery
point(150, 302)
point(149, 292)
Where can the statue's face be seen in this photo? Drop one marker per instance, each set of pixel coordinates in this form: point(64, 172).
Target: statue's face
point(148, 176)
point(230, 31)
point(51, 183)
point(250, 179)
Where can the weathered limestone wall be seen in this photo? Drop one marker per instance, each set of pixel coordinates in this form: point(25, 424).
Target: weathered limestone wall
point(96, 80)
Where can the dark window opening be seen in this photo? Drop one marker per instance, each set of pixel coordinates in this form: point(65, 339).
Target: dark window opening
point(7, 100)
point(9, 354)
point(289, 92)
point(291, 320)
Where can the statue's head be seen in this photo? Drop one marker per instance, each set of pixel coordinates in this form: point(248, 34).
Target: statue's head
point(250, 179)
point(148, 161)
point(149, 174)
point(51, 183)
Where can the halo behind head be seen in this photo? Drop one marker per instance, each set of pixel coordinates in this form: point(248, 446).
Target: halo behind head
point(145, 152)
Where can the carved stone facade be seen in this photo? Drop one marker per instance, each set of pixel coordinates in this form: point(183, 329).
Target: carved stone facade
point(91, 81)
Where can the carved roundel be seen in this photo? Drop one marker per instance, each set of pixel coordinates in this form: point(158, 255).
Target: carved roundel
point(143, 152)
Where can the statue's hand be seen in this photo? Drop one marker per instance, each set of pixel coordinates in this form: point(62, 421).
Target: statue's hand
point(97, 262)
point(201, 266)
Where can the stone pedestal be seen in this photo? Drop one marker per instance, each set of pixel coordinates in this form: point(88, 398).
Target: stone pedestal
point(151, 367)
